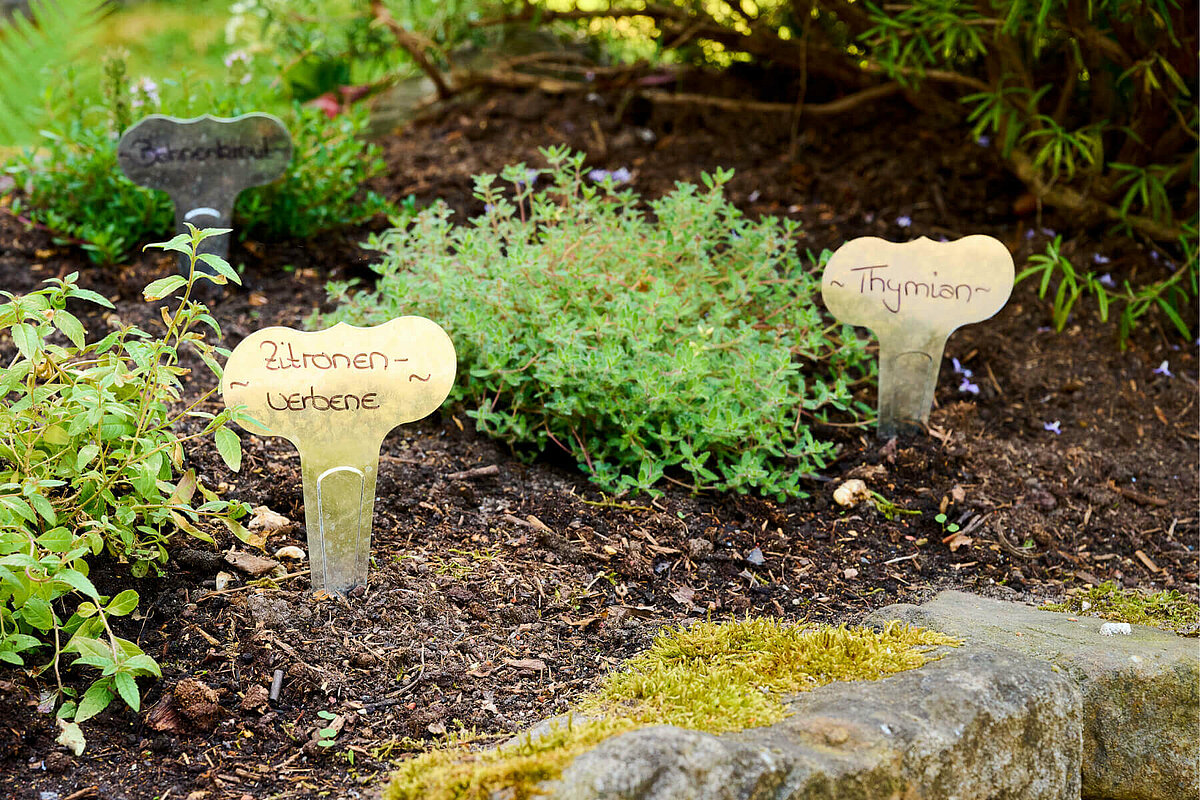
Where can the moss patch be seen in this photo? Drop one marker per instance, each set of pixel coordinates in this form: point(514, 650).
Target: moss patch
point(713, 677)
point(1167, 609)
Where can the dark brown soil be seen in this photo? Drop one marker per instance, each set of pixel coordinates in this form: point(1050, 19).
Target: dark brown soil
point(495, 600)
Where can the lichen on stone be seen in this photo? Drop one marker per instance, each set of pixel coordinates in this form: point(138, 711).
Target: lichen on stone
point(711, 676)
point(1168, 609)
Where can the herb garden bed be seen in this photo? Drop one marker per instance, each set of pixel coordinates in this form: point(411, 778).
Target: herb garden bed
point(498, 596)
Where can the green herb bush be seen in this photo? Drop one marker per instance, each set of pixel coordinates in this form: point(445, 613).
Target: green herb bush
point(682, 342)
point(90, 462)
point(72, 184)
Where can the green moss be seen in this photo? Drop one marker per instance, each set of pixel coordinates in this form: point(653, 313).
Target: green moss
point(713, 677)
point(1167, 609)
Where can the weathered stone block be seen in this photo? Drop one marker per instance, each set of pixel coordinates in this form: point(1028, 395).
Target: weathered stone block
point(1141, 693)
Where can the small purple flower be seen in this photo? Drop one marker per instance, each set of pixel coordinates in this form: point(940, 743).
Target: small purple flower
point(903, 221)
point(1164, 369)
point(1044, 329)
point(1099, 259)
point(622, 175)
point(599, 175)
point(984, 141)
point(531, 176)
point(1053, 427)
point(1029, 234)
point(488, 208)
point(753, 197)
point(966, 387)
point(1049, 232)
point(144, 91)
point(959, 369)
point(1107, 280)
point(1154, 254)
point(235, 57)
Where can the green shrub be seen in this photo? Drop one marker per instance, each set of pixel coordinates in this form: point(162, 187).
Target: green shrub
point(687, 348)
point(1092, 105)
point(73, 185)
point(90, 462)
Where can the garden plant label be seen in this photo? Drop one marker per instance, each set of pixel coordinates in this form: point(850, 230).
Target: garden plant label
point(913, 296)
point(335, 394)
point(203, 164)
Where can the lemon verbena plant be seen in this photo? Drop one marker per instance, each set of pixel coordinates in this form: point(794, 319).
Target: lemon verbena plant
point(674, 339)
point(91, 463)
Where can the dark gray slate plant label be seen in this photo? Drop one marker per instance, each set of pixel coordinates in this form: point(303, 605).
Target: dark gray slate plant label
point(204, 163)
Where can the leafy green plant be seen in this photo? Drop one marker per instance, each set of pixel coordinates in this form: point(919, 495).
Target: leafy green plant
point(1091, 105)
point(1171, 295)
point(73, 185)
point(687, 348)
point(32, 44)
point(90, 463)
point(327, 736)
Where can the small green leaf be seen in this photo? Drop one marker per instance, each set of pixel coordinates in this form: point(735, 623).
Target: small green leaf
point(220, 265)
point(123, 603)
point(230, 448)
point(162, 287)
point(95, 700)
point(127, 688)
point(78, 581)
point(37, 613)
point(57, 540)
point(26, 338)
point(85, 456)
point(70, 326)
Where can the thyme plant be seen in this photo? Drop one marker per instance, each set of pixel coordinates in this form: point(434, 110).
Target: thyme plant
point(91, 463)
point(681, 342)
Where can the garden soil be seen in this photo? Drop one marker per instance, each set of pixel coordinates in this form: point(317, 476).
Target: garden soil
point(501, 588)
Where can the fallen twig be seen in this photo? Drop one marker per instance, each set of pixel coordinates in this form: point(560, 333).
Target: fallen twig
point(474, 472)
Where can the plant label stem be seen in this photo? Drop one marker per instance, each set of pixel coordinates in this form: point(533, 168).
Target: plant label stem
point(203, 164)
point(335, 394)
point(913, 295)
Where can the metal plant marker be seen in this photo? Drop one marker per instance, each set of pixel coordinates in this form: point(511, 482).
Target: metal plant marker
point(913, 295)
point(203, 164)
point(335, 394)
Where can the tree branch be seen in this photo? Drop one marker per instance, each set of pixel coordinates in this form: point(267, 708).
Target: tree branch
point(413, 45)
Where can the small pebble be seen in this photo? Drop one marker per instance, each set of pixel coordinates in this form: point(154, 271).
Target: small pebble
point(1113, 628)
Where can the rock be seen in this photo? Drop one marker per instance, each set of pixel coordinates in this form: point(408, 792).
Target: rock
point(273, 611)
point(976, 725)
point(1141, 692)
point(851, 493)
point(699, 548)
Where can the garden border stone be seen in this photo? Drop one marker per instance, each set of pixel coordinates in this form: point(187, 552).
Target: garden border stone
point(1140, 692)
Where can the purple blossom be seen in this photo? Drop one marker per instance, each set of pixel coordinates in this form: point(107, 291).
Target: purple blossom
point(903, 221)
point(617, 176)
point(1164, 369)
point(1053, 427)
point(1049, 232)
point(235, 57)
point(1029, 234)
point(531, 176)
point(1107, 280)
point(753, 197)
point(1044, 329)
point(1099, 259)
point(959, 369)
point(488, 208)
point(144, 91)
point(984, 141)
point(966, 387)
